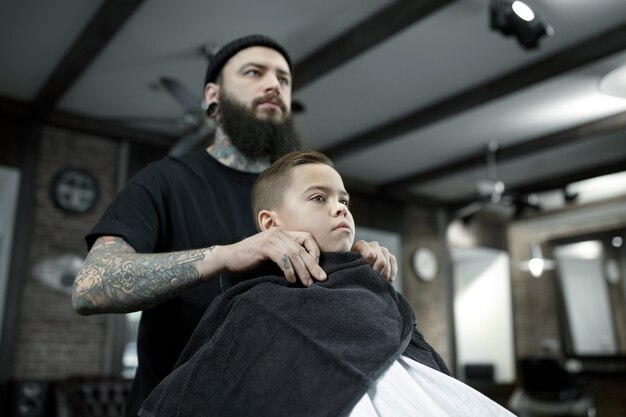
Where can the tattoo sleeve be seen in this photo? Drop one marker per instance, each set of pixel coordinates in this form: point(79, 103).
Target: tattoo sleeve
point(116, 279)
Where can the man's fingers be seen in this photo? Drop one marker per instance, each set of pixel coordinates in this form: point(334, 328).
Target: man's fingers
point(382, 264)
point(364, 249)
point(297, 254)
point(300, 266)
point(307, 241)
point(394, 267)
point(381, 260)
point(309, 254)
point(287, 266)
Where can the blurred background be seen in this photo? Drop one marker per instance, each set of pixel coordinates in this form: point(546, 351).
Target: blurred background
point(483, 140)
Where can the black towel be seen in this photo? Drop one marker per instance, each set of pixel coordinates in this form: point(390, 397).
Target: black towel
point(269, 348)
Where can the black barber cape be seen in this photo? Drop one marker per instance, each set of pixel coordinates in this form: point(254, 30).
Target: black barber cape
point(269, 348)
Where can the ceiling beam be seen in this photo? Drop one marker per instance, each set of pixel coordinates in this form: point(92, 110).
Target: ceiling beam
point(562, 181)
point(14, 109)
point(555, 182)
point(574, 57)
point(19, 110)
point(109, 18)
point(379, 27)
point(96, 127)
point(586, 131)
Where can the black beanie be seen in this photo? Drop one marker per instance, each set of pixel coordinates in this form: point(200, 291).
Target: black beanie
point(227, 51)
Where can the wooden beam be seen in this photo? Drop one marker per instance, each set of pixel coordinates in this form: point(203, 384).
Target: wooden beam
point(574, 57)
point(96, 127)
point(13, 109)
point(586, 131)
point(19, 110)
point(109, 18)
point(553, 182)
point(381, 26)
point(563, 180)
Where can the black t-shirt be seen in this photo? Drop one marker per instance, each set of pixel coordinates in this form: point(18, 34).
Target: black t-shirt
point(178, 203)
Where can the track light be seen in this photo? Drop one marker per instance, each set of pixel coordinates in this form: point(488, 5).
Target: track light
point(515, 18)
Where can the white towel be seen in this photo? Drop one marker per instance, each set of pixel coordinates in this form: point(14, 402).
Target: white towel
point(410, 389)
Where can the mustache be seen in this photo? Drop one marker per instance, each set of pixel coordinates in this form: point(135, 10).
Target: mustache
point(270, 97)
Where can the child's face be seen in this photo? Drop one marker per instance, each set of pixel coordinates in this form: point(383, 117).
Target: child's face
point(317, 202)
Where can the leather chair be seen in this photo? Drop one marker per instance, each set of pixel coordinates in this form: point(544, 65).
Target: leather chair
point(91, 397)
point(547, 389)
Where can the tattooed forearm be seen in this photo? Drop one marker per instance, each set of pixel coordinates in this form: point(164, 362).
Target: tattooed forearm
point(116, 279)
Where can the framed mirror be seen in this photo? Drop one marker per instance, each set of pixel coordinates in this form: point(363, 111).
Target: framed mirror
point(591, 281)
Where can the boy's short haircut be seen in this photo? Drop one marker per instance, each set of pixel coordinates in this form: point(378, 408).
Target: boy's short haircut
point(269, 189)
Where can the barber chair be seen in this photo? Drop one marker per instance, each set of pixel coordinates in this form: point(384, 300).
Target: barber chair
point(548, 390)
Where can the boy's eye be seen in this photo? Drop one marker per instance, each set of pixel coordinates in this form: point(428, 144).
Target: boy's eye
point(345, 202)
point(318, 198)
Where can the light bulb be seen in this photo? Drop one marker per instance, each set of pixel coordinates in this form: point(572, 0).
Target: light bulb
point(523, 11)
point(535, 265)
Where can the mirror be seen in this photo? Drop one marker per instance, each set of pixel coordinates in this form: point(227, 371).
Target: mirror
point(483, 314)
point(590, 270)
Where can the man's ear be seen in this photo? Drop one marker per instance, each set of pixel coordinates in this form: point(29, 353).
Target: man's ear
point(267, 219)
point(211, 97)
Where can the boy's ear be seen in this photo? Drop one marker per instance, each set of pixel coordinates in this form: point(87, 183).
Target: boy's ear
point(267, 219)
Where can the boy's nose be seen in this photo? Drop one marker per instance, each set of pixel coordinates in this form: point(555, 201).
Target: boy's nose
point(340, 209)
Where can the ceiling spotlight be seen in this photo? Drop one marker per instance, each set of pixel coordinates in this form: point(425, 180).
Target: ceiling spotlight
point(515, 18)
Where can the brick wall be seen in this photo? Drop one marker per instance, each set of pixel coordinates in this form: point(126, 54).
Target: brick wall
point(53, 341)
point(428, 299)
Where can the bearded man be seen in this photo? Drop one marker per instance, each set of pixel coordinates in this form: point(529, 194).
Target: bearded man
point(172, 237)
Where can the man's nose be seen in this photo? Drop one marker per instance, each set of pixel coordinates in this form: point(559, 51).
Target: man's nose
point(272, 83)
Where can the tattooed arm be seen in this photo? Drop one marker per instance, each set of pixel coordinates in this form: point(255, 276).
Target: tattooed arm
point(117, 279)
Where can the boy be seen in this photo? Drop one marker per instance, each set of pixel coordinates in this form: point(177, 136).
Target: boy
point(345, 346)
point(302, 191)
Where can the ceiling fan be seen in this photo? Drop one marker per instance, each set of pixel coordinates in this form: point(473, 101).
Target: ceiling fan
point(199, 127)
point(195, 126)
point(492, 192)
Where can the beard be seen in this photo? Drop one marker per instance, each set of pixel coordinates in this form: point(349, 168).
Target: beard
point(254, 137)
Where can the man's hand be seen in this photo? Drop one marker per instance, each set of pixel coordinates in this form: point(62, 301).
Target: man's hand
point(296, 253)
point(379, 258)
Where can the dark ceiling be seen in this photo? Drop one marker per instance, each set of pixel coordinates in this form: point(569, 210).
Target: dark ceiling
point(405, 96)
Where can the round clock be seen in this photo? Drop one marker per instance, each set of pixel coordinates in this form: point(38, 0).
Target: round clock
point(425, 264)
point(75, 191)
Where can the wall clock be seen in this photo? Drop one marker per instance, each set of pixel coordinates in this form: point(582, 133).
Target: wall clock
point(425, 264)
point(74, 191)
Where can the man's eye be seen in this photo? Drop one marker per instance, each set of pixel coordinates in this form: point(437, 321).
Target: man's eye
point(284, 81)
point(252, 73)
